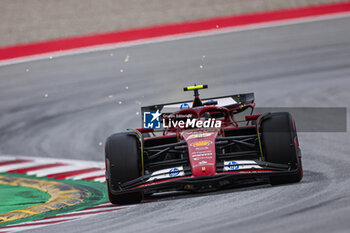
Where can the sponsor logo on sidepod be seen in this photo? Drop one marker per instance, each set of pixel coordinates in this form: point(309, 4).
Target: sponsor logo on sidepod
point(201, 143)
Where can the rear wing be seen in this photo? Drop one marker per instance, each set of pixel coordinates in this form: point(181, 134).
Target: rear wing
point(229, 101)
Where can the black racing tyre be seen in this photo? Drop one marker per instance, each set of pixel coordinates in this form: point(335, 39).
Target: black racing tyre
point(280, 145)
point(122, 165)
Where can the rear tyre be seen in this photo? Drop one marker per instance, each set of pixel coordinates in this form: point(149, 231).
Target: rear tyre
point(280, 145)
point(122, 165)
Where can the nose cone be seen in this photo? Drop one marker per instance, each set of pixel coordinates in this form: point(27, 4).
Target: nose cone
point(201, 151)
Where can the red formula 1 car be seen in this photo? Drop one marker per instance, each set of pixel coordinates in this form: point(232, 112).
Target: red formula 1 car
point(201, 145)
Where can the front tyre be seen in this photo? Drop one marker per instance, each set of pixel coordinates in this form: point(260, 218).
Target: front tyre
point(122, 165)
point(280, 145)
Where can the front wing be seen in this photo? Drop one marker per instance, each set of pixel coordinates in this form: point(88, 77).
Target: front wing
point(180, 178)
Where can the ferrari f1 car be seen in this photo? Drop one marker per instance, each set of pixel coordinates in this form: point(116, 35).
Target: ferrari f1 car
point(201, 145)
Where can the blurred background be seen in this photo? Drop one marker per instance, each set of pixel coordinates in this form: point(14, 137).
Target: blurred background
point(24, 21)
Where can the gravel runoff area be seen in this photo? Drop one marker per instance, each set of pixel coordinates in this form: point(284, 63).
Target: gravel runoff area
point(25, 21)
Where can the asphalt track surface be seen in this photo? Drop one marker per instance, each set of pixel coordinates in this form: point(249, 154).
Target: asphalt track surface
point(288, 66)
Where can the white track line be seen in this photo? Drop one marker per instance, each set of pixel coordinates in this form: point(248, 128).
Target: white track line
point(49, 171)
point(6, 158)
point(81, 163)
point(100, 179)
point(87, 175)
